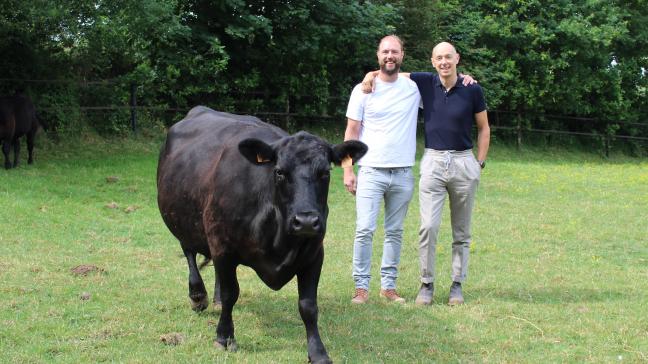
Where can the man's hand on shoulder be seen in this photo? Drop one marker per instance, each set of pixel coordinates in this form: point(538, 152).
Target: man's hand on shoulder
point(467, 79)
point(368, 82)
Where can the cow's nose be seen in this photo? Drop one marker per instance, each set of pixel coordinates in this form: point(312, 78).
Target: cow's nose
point(307, 223)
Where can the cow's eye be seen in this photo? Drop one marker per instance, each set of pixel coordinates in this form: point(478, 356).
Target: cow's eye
point(279, 174)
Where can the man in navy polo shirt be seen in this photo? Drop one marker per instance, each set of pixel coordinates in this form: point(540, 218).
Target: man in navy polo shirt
point(448, 165)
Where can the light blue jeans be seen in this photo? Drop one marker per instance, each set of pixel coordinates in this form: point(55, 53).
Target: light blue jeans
point(395, 186)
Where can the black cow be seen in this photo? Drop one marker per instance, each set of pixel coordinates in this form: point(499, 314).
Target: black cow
point(240, 191)
point(17, 118)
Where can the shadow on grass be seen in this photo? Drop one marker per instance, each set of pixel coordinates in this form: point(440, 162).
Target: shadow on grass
point(264, 321)
point(268, 323)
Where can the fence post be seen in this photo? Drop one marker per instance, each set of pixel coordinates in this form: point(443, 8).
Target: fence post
point(606, 145)
point(133, 104)
point(519, 131)
point(287, 121)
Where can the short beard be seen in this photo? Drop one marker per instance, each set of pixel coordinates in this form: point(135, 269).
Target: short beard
point(383, 68)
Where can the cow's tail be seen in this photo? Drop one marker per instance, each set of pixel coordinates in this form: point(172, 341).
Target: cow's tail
point(204, 263)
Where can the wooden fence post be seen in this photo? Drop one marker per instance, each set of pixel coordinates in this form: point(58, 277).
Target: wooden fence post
point(606, 145)
point(519, 130)
point(133, 105)
point(287, 120)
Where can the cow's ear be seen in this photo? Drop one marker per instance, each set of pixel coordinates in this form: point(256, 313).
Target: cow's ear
point(348, 152)
point(257, 151)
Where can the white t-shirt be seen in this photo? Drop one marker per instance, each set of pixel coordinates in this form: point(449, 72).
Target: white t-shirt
point(388, 117)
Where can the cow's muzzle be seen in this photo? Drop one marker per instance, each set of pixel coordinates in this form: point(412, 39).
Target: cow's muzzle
point(306, 223)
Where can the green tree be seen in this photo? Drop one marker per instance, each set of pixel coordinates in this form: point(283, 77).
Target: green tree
point(304, 51)
point(121, 41)
point(580, 58)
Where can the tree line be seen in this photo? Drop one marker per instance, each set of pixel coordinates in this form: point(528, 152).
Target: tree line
point(567, 57)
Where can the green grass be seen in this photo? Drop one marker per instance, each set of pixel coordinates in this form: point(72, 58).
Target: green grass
point(558, 271)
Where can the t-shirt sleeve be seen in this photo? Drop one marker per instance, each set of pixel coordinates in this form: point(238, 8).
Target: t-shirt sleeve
point(479, 102)
point(355, 109)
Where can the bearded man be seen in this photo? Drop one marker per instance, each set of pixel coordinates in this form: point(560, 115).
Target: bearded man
point(385, 120)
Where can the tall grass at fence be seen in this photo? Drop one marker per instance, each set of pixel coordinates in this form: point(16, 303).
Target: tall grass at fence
point(558, 271)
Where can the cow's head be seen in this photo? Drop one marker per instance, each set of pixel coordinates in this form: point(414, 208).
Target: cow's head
point(301, 166)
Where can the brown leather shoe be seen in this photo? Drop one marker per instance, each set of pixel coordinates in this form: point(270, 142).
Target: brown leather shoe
point(360, 297)
point(391, 295)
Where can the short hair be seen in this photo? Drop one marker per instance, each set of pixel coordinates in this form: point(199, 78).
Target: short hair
point(400, 41)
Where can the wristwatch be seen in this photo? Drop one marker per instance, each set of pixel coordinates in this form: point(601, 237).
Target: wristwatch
point(482, 164)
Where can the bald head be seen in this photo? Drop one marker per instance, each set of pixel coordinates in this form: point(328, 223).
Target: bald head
point(443, 48)
point(445, 59)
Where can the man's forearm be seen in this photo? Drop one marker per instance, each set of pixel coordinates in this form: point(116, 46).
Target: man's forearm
point(350, 135)
point(352, 131)
point(483, 142)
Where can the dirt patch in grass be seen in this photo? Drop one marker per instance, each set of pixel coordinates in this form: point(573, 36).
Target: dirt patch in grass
point(172, 338)
point(85, 269)
point(112, 205)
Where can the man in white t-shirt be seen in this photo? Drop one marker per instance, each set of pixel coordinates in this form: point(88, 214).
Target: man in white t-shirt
point(385, 120)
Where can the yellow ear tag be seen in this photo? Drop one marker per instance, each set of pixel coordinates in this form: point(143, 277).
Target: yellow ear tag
point(261, 160)
point(346, 162)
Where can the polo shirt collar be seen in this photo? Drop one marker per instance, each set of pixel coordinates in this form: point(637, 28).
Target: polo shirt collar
point(437, 81)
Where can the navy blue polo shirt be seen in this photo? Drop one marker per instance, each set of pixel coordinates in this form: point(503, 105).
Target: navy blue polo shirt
point(449, 116)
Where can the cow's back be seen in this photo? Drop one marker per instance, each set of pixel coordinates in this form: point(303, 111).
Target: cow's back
point(7, 120)
point(24, 114)
point(200, 155)
point(196, 144)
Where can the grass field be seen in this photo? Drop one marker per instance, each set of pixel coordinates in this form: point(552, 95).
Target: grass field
point(558, 272)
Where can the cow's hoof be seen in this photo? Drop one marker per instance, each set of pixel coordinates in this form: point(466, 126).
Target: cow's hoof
point(229, 345)
point(199, 305)
point(320, 361)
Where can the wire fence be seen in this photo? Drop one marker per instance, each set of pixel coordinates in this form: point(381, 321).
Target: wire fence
point(284, 110)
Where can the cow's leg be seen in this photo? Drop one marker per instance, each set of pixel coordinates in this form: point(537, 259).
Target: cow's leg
point(6, 147)
point(217, 293)
point(30, 147)
point(307, 282)
point(197, 291)
point(16, 145)
point(229, 289)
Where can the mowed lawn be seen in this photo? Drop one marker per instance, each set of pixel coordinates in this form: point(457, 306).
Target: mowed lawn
point(558, 271)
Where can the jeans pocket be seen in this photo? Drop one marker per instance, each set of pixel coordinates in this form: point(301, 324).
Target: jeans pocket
point(409, 173)
point(366, 171)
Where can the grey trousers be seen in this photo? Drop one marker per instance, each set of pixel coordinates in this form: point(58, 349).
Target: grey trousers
point(457, 175)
